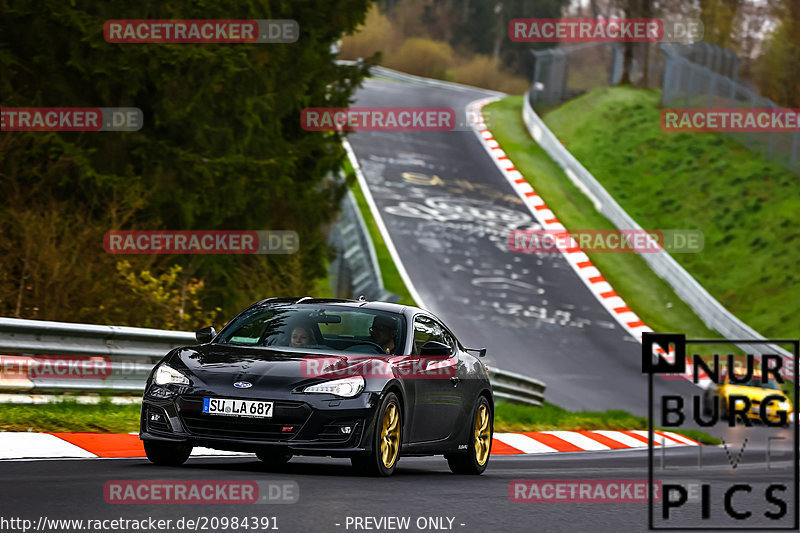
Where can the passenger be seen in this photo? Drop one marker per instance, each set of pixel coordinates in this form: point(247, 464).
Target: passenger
point(300, 337)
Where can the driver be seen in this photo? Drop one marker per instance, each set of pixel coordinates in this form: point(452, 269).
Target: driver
point(383, 332)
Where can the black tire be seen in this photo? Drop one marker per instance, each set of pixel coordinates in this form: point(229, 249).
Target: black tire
point(274, 459)
point(373, 463)
point(166, 453)
point(468, 463)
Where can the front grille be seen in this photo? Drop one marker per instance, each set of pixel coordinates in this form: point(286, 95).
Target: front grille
point(287, 420)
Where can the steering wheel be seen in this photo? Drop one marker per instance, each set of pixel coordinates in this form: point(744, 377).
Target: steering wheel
point(370, 343)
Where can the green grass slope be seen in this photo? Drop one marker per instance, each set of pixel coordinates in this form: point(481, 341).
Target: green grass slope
point(747, 207)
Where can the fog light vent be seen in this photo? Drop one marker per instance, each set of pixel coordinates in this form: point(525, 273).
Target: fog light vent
point(157, 419)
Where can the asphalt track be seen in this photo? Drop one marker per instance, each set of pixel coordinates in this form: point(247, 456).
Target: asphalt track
point(329, 492)
point(535, 317)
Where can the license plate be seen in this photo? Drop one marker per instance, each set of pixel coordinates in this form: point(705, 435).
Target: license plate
point(231, 407)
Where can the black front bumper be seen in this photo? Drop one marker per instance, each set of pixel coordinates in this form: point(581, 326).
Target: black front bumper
point(305, 425)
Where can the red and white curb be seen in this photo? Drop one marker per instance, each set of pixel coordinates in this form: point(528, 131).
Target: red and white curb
point(26, 445)
point(581, 441)
point(23, 445)
point(577, 259)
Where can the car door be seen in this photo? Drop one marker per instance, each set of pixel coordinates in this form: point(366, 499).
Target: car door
point(438, 398)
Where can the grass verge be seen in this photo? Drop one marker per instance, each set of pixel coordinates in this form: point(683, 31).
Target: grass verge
point(515, 418)
point(69, 416)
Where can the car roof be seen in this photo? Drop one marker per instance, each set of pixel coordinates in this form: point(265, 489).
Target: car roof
point(344, 302)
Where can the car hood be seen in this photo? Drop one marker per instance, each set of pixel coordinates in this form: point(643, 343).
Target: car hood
point(217, 365)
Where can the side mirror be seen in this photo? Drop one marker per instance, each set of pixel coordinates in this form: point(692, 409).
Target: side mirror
point(435, 348)
point(205, 335)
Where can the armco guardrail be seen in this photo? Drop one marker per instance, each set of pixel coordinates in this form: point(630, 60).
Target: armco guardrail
point(355, 271)
point(132, 353)
point(128, 354)
point(707, 308)
point(376, 71)
point(516, 388)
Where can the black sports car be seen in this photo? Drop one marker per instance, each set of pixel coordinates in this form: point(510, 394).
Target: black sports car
point(343, 378)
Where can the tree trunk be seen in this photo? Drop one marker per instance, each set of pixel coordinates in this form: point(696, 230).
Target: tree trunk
point(595, 9)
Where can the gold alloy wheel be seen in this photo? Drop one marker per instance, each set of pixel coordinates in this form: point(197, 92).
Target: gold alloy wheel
point(482, 435)
point(390, 435)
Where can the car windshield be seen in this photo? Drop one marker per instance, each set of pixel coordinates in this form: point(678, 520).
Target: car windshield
point(320, 328)
point(756, 382)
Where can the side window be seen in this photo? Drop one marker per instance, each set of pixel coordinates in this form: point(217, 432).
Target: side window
point(251, 332)
point(426, 329)
point(449, 340)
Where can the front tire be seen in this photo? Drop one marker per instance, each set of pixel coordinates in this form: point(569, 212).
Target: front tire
point(474, 461)
point(386, 440)
point(166, 453)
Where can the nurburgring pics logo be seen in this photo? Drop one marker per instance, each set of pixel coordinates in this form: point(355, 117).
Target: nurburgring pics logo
point(201, 242)
point(605, 241)
point(610, 30)
point(740, 397)
point(201, 31)
point(779, 120)
point(71, 119)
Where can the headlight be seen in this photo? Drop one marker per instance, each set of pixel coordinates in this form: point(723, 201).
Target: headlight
point(347, 387)
point(785, 406)
point(166, 375)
